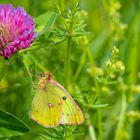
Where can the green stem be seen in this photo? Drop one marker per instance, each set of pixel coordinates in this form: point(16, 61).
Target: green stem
point(105, 5)
point(79, 69)
point(100, 125)
point(67, 63)
point(97, 95)
point(3, 68)
point(92, 132)
point(119, 131)
point(1, 71)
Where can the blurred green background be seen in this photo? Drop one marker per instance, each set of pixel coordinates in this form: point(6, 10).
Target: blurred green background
point(110, 23)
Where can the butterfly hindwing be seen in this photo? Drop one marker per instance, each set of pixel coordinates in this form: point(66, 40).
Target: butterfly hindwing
point(71, 112)
point(46, 108)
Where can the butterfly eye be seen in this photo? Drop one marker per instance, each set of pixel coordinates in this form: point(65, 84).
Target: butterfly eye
point(64, 97)
point(42, 74)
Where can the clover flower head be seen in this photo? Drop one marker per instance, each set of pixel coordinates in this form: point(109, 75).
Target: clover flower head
point(16, 30)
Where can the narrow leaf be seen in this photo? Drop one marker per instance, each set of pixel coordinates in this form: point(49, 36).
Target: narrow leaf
point(10, 125)
point(45, 21)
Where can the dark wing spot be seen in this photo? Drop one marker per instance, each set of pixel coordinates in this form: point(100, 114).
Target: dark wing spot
point(64, 97)
point(68, 114)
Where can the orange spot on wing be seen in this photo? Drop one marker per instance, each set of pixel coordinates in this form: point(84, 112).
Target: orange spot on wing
point(50, 105)
point(59, 103)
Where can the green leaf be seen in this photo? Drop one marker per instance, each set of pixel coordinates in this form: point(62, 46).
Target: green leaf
point(11, 126)
point(101, 106)
point(45, 21)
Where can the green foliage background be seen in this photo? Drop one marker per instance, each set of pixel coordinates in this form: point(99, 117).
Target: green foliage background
point(103, 78)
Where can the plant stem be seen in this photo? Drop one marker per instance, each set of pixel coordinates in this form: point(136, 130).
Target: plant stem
point(67, 63)
point(100, 137)
point(3, 68)
point(82, 62)
point(100, 125)
point(92, 132)
point(119, 131)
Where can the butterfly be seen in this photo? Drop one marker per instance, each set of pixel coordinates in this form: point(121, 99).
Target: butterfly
point(52, 105)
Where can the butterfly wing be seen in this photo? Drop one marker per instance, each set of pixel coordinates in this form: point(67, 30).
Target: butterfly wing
point(46, 108)
point(71, 112)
